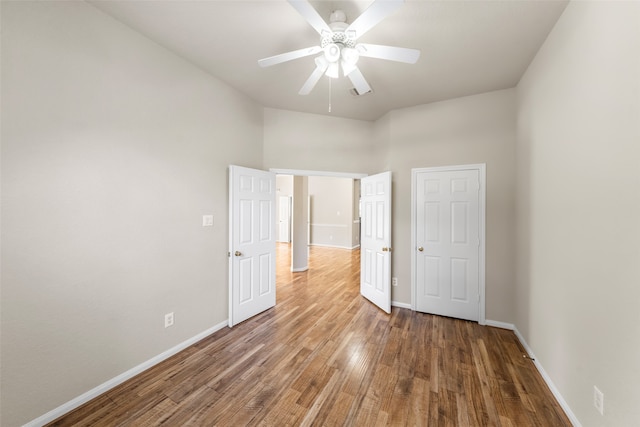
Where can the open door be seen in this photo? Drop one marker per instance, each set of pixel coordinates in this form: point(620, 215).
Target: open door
point(375, 244)
point(252, 242)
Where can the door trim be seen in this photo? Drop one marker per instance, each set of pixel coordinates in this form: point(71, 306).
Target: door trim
point(302, 172)
point(481, 168)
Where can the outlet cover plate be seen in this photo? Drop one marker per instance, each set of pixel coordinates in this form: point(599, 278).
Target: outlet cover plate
point(598, 400)
point(168, 319)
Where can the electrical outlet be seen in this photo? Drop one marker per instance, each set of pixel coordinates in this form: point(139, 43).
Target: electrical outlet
point(598, 400)
point(394, 281)
point(168, 319)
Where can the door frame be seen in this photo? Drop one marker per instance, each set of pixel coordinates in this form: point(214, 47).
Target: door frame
point(302, 172)
point(481, 168)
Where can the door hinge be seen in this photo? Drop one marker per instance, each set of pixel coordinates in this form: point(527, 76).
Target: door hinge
point(228, 254)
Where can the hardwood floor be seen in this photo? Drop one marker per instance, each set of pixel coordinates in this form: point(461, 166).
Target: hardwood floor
point(325, 356)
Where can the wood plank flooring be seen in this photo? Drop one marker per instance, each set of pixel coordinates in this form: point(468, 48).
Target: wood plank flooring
point(325, 356)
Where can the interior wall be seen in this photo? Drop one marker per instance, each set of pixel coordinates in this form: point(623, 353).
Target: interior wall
point(469, 130)
point(125, 146)
point(355, 230)
point(331, 211)
point(300, 227)
point(579, 209)
point(284, 185)
point(382, 143)
point(474, 129)
point(112, 150)
point(314, 142)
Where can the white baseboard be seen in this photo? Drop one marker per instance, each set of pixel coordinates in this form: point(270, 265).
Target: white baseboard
point(108, 385)
point(400, 304)
point(323, 245)
point(556, 393)
point(501, 325)
point(104, 387)
point(299, 270)
point(554, 390)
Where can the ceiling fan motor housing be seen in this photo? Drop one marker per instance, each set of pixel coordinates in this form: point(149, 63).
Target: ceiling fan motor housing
point(338, 36)
point(335, 41)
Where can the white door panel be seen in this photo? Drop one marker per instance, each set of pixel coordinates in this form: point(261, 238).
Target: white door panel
point(448, 243)
point(252, 275)
point(284, 221)
point(375, 242)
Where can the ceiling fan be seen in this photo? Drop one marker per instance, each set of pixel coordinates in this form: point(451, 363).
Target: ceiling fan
point(339, 47)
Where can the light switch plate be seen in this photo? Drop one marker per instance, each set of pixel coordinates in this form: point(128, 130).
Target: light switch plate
point(207, 220)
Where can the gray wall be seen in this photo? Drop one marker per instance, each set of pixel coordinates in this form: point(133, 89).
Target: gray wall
point(295, 140)
point(112, 150)
point(474, 129)
point(334, 209)
point(300, 224)
point(332, 215)
point(578, 288)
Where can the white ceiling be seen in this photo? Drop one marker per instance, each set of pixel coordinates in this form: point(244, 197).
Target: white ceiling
point(468, 47)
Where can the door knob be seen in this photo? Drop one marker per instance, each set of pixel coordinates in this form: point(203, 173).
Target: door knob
point(386, 249)
point(421, 249)
point(238, 253)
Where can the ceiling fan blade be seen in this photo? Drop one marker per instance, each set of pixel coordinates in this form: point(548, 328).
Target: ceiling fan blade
point(284, 57)
point(307, 11)
point(375, 13)
point(314, 77)
point(390, 53)
point(359, 81)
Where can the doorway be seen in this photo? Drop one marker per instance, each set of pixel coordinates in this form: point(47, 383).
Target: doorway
point(331, 214)
point(252, 234)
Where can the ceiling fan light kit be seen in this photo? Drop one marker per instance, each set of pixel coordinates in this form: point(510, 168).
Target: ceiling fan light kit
point(332, 52)
point(339, 47)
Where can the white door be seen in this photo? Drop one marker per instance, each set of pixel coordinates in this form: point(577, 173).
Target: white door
point(284, 219)
point(447, 239)
point(252, 243)
point(375, 244)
